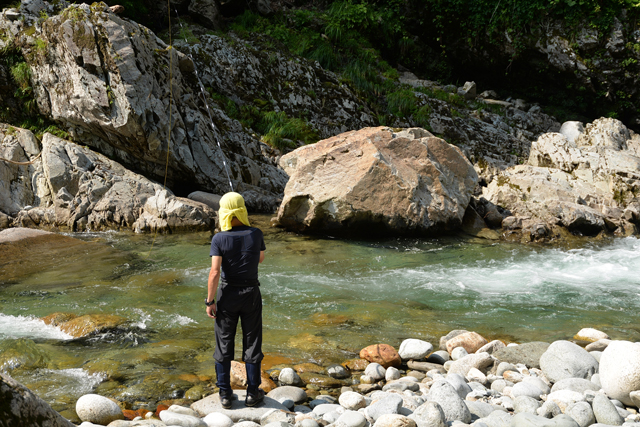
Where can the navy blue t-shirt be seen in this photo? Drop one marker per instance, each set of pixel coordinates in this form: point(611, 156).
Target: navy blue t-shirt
point(240, 251)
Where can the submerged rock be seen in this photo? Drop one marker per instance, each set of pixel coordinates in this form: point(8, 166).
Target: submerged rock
point(377, 180)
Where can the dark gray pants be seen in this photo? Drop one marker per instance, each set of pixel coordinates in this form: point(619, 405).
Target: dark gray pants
point(244, 303)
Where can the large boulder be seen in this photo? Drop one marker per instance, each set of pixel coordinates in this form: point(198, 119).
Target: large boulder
point(72, 187)
point(620, 370)
point(377, 180)
point(586, 183)
point(20, 407)
point(104, 80)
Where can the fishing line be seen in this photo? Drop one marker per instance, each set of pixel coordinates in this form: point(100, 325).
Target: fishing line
point(206, 104)
point(166, 166)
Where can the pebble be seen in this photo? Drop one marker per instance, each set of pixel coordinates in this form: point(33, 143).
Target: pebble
point(392, 374)
point(351, 419)
point(454, 408)
point(218, 419)
point(389, 404)
point(605, 411)
point(458, 353)
point(525, 404)
point(394, 420)
point(352, 401)
point(98, 409)
point(526, 389)
point(337, 371)
point(439, 357)
point(414, 349)
point(182, 420)
point(375, 371)
point(288, 376)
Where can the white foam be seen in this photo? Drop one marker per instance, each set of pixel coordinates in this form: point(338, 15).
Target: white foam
point(29, 327)
point(66, 382)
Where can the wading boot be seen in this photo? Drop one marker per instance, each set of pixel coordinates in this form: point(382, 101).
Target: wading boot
point(223, 372)
point(255, 395)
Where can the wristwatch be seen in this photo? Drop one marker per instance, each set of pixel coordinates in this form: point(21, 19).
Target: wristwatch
point(209, 304)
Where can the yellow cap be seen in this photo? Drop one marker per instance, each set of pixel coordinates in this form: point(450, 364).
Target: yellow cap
point(232, 205)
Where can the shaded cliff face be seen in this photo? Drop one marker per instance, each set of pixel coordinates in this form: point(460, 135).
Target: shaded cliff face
point(586, 65)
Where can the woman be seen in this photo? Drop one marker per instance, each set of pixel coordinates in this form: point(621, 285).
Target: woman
point(236, 252)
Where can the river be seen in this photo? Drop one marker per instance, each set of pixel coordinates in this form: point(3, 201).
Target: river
point(324, 300)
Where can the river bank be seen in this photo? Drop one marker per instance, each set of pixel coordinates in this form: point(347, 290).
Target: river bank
point(466, 381)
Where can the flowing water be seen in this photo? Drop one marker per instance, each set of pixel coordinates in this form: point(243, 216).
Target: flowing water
point(324, 300)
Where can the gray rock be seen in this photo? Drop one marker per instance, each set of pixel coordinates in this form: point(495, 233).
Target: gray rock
point(375, 371)
point(326, 408)
point(549, 409)
point(352, 401)
point(322, 400)
point(308, 422)
point(538, 383)
point(21, 407)
point(491, 347)
point(564, 359)
point(337, 371)
point(575, 384)
point(479, 409)
point(98, 409)
point(211, 200)
point(459, 384)
point(246, 424)
point(458, 353)
point(390, 404)
point(297, 394)
point(605, 411)
point(468, 91)
point(525, 404)
point(599, 345)
point(351, 419)
point(443, 393)
point(527, 353)
point(525, 419)
point(238, 410)
point(429, 414)
point(596, 355)
point(439, 357)
point(582, 413)
point(596, 380)
point(174, 418)
point(394, 420)
point(277, 416)
point(392, 374)
point(572, 130)
point(526, 389)
point(289, 377)
point(414, 349)
point(564, 398)
point(477, 360)
point(620, 370)
point(499, 385)
point(504, 367)
point(216, 419)
point(497, 419)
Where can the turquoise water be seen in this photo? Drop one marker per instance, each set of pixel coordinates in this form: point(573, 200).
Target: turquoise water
point(324, 299)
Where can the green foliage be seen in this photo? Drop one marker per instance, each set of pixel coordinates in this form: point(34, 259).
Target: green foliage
point(277, 129)
point(187, 35)
point(402, 103)
point(280, 131)
point(41, 46)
